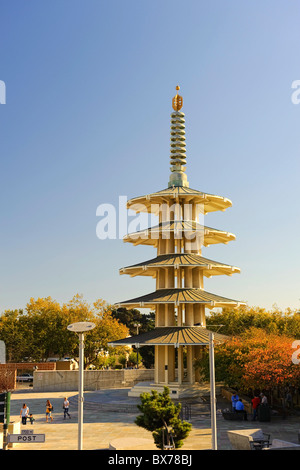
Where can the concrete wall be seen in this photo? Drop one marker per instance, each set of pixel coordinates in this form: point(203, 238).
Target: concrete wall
point(67, 380)
point(8, 372)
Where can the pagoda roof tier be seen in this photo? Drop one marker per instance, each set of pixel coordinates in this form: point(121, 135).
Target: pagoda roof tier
point(210, 202)
point(171, 335)
point(189, 229)
point(179, 260)
point(178, 296)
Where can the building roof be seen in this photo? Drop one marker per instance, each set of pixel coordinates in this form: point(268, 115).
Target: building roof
point(179, 296)
point(210, 202)
point(176, 260)
point(171, 335)
point(189, 230)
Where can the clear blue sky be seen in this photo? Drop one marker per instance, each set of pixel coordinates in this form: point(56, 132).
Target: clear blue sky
point(87, 116)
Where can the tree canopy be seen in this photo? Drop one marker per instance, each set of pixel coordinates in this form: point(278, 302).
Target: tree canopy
point(234, 321)
point(40, 331)
point(254, 360)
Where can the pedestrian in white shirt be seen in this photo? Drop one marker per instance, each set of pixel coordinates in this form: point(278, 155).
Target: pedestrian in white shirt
point(66, 408)
point(24, 413)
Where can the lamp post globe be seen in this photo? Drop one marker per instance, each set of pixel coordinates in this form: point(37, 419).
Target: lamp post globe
point(80, 328)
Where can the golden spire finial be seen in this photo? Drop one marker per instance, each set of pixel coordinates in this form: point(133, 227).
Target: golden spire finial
point(177, 101)
point(178, 152)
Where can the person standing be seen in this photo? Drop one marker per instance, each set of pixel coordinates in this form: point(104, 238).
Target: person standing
point(66, 405)
point(49, 409)
point(255, 405)
point(264, 400)
point(24, 413)
point(264, 413)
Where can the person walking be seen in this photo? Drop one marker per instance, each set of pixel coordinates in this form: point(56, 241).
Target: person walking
point(66, 405)
point(255, 405)
point(49, 409)
point(24, 413)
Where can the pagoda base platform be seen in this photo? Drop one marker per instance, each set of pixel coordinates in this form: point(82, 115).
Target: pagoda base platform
point(177, 391)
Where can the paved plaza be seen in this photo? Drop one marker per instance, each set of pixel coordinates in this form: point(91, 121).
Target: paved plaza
point(103, 424)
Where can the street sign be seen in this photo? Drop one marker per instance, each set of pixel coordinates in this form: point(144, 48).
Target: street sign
point(24, 438)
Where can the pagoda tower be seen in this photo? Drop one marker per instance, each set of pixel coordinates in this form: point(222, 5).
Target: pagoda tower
point(179, 299)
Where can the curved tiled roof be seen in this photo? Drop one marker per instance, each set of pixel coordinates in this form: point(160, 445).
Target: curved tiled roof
point(181, 229)
point(210, 202)
point(179, 296)
point(176, 260)
point(172, 335)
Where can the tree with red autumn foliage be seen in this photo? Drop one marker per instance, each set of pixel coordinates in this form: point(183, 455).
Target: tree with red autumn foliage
point(255, 360)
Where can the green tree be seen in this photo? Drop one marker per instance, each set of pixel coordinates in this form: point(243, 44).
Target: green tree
point(159, 414)
point(13, 333)
point(40, 331)
point(235, 321)
point(107, 329)
point(45, 328)
point(133, 317)
point(122, 360)
point(132, 359)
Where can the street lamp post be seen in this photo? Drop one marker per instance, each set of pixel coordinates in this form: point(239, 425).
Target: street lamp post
point(80, 328)
point(137, 325)
point(212, 392)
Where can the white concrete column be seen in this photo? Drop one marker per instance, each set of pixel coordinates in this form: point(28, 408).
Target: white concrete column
point(160, 364)
point(190, 368)
point(188, 277)
point(171, 363)
point(156, 364)
point(197, 278)
point(169, 315)
point(189, 314)
point(161, 278)
point(160, 315)
point(197, 314)
point(166, 364)
point(180, 364)
point(170, 275)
